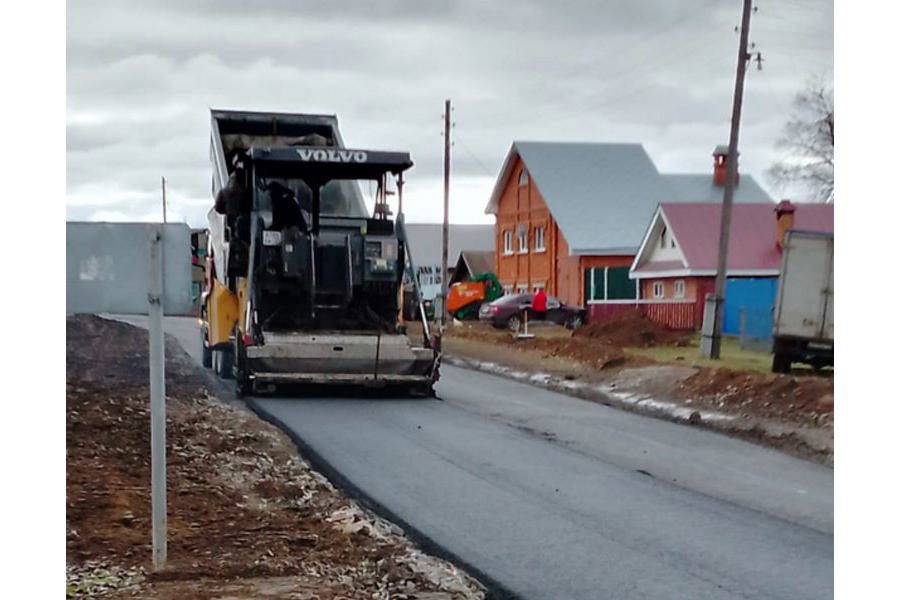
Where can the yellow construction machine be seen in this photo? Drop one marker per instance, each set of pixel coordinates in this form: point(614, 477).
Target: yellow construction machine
point(303, 284)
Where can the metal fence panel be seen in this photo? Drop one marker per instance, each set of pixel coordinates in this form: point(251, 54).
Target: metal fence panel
point(749, 303)
point(107, 267)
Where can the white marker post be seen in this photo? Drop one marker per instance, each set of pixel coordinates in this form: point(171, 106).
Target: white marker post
point(157, 399)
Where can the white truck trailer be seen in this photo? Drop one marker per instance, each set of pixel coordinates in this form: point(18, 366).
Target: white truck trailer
point(803, 325)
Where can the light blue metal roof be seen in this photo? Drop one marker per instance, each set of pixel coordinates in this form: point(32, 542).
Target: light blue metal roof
point(603, 195)
point(700, 188)
point(425, 241)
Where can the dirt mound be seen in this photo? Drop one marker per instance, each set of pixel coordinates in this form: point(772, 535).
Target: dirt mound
point(247, 518)
point(631, 329)
point(111, 351)
point(550, 341)
point(798, 399)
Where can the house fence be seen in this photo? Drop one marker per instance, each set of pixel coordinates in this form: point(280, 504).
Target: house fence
point(674, 314)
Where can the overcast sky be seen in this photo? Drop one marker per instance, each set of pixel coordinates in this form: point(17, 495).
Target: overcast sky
point(141, 77)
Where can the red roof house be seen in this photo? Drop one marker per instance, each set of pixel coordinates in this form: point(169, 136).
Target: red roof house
point(678, 257)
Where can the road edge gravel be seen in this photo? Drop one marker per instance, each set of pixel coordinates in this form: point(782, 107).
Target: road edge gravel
point(754, 432)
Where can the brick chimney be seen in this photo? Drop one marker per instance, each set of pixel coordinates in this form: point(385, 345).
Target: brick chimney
point(784, 219)
point(720, 166)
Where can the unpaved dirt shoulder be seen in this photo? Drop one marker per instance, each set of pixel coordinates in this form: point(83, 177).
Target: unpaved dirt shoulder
point(248, 518)
point(794, 414)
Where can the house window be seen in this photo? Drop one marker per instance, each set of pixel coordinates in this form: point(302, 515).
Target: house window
point(608, 283)
point(523, 177)
point(507, 242)
point(658, 289)
point(662, 239)
point(539, 239)
point(507, 289)
point(679, 288)
point(594, 284)
point(522, 288)
point(523, 239)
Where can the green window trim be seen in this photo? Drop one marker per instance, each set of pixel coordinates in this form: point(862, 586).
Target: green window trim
point(608, 283)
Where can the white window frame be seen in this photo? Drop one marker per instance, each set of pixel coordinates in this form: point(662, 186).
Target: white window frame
point(507, 242)
point(523, 241)
point(507, 289)
point(679, 288)
point(659, 290)
point(539, 243)
point(523, 177)
point(522, 288)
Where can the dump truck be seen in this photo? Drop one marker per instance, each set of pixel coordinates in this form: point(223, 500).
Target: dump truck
point(303, 285)
point(803, 324)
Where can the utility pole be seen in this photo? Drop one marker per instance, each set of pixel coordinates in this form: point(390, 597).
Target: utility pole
point(164, 198)
point(712, 345)
point(442, 312)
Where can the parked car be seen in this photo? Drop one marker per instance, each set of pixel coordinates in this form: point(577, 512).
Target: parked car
point(507, 312)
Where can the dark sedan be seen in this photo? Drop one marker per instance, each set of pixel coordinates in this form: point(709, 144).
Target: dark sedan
point(507, 312)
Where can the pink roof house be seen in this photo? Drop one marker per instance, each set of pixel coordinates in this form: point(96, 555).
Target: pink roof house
point(679, 253)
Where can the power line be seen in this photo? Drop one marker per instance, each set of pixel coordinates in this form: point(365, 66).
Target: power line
point(607, 98)
point(648, 40)
point(472, 155)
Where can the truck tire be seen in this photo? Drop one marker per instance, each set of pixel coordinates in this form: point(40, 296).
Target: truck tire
point(241, 371)
point(421, 390)
point(225, 363)
point(781, 363)
point(574, 323)
point(205, 351)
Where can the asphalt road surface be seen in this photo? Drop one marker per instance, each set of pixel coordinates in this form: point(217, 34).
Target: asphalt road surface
point(556, 497)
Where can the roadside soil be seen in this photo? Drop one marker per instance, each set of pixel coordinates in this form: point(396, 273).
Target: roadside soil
point(794, 413)
point(247, 517)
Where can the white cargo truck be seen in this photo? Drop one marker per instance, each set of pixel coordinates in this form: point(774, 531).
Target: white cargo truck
point(803, 329)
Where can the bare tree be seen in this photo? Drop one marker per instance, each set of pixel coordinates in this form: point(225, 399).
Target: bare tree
point(808, 138)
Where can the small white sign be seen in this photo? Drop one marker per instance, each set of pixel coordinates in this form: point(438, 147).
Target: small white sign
point(271, 238)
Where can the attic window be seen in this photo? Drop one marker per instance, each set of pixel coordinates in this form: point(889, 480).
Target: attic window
point(523, 177)
point(662, 238)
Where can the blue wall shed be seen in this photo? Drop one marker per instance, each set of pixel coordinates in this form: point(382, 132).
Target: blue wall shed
point(754, 295)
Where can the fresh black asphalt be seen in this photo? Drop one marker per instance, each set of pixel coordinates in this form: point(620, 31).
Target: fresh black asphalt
point(555, 497)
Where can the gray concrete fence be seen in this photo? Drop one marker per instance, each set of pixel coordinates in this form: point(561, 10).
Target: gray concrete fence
point(108, 265)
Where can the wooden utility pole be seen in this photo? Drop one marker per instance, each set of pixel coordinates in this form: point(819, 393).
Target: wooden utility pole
point(713, 344)
point(446, 229)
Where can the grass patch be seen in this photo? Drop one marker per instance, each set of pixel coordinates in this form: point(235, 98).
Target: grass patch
point(732, 356)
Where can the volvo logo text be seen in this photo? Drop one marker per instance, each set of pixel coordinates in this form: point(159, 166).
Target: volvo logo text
point(345, 156)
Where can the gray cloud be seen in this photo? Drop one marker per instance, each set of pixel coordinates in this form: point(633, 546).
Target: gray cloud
point(142, 76)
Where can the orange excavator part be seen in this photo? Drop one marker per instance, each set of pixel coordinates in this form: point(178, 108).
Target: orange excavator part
point(463, 293)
